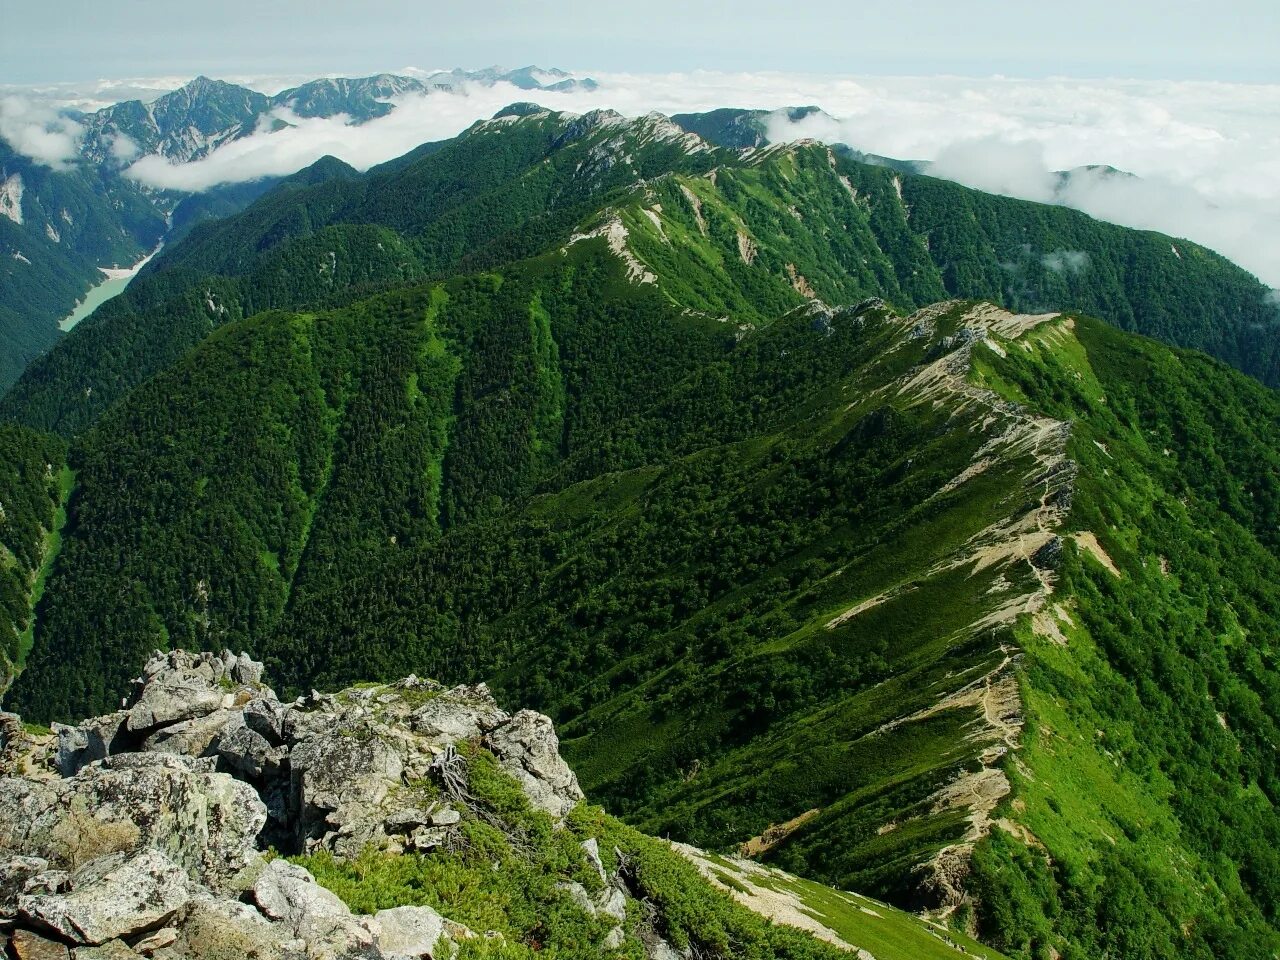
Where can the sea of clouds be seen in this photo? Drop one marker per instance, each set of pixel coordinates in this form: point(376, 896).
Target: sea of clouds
point(1205, 156)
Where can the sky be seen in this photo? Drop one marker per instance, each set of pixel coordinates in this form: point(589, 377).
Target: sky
point(78, 40)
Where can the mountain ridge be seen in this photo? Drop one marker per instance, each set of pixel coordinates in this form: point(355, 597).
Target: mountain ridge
point(965, 608)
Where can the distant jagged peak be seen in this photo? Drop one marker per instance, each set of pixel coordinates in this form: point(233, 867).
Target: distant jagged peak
point(639, 131)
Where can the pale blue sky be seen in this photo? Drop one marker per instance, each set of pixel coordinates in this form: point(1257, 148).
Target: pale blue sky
point(76, 40)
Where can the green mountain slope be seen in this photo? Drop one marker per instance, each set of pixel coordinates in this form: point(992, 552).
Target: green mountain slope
point(517, 185)
point(34, 485)
point(57, 227)
point(822, 563)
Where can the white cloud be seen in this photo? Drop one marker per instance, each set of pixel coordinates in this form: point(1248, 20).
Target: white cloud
point(1066, 261)
point(123, 148)
point(1016, 169)
point(36, 131)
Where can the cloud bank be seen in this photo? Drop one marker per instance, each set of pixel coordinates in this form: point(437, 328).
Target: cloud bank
point(1205, 156)
point(39, 132)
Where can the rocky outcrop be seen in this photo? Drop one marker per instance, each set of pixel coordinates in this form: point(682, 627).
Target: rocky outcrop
point(143, 833)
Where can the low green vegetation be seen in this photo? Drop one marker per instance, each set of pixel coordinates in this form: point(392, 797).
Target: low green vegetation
point(1150, 769)
point(507, 879)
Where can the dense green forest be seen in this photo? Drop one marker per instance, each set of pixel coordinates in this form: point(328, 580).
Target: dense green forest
point(522, 183)
point(34, 485)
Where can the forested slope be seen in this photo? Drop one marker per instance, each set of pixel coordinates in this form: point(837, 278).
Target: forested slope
point(34, 485)
point(517, 185)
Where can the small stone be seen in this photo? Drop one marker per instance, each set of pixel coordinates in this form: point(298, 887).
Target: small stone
point(445, 817)
point(617, 936)
point(26, 945)
point(164, 937)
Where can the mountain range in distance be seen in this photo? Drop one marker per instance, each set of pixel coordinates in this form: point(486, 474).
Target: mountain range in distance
point(61, 228)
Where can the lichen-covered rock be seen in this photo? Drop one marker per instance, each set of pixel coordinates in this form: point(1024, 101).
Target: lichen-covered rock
point(22, 753)
point(415, 932)
point(528, 749)
point(290, 895)
point(27, 945)
point(111, 897)
point(181, 686)
point(463, 713)
point(140, 833)
point(15, 873)
point(209, 929)
point(206, 822)
point(86, 742)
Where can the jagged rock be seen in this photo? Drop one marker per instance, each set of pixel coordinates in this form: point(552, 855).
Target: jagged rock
point(26, 945)
point(181, 686)
point(414, 932)
point(613, 903)
point(50, 881)
point(248, 752)
point(206, 822)
point(265, 717)
point(180, 699)
point(616, 937)
point(659, 949)
point(211, 929)
point(528, 749)
point(86, 742)
point(22, 753)
point(290, 895)
point(111, 950)
point(1049, 556)
point(406, 820)
point(592, 849)
point(112, 897)
point(15, 874)
point(446, 817)
point(164, 937)
point(147, 824)
point(464, 713)
point(579, 895)
point(337, 780)
point(191, 738)
point(287, 892)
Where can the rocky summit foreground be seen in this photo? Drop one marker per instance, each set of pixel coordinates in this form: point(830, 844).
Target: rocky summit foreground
point(138, 833)
point(178, 826)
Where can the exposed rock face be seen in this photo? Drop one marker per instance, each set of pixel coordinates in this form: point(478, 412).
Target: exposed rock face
point(141, 833)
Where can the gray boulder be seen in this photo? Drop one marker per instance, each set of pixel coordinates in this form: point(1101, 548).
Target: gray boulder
point(289, 895)
point(463, 713)
point(206, 822)
point(86, 742)
point(528, 749)
point(110, 898)
point(415, 932)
